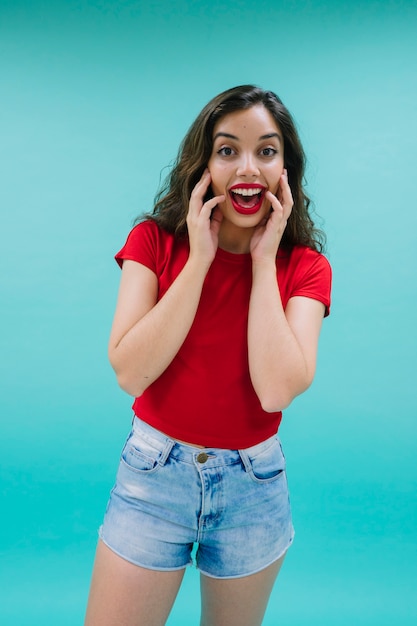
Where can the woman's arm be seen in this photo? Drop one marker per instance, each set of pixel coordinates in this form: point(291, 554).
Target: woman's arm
point(146, 334)
point(282, 345)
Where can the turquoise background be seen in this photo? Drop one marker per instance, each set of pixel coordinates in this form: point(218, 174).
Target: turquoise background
point(95, 98)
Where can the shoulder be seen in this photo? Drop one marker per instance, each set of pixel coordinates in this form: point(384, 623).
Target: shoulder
point(303, 259)
point(303, 271)
point(148, 230)
point(144, 243)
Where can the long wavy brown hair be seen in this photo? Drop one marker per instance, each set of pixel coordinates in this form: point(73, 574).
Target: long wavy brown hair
point(172, 200)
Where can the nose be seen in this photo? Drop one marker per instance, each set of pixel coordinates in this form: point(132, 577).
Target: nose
point(247, 165)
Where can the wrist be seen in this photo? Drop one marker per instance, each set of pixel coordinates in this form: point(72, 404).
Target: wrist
point(264, 264)
point(197, 265)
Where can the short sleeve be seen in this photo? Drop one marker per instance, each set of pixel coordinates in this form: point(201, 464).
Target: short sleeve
point(308, 273)
point(141, 246)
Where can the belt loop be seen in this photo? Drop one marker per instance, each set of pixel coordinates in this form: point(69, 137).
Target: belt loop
point(166, 451)
point(245, 460)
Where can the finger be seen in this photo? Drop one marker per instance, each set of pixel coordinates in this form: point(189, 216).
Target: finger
point(211, 204)
point(275, 203)
point(197, 196)
point(202, 186)
point(279, 215)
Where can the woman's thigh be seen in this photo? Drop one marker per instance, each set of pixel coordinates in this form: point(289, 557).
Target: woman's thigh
point(237, 601)
point(123, 593)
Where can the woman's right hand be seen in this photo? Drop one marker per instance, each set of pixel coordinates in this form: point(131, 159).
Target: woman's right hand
point(203, 221)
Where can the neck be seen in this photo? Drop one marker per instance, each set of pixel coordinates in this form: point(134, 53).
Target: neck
point(234, 239)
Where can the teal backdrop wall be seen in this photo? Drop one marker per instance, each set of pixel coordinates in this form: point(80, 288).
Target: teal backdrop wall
point(95, 97)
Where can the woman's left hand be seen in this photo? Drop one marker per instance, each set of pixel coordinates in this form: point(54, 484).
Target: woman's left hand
point(267, 236)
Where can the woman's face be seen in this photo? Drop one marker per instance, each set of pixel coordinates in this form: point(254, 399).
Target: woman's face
point(247, 160)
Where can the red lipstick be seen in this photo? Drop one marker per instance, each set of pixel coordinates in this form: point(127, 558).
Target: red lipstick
point(247, 198)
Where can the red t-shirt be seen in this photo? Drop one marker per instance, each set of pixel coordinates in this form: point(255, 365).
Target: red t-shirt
point(205, 396)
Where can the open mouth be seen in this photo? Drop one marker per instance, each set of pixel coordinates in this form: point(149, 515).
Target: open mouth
point(247, 199)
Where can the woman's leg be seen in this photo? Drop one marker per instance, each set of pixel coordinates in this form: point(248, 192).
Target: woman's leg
point(237, 601)
point(123, 594)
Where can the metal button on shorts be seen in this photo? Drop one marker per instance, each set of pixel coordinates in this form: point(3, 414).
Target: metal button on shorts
point(202, 457)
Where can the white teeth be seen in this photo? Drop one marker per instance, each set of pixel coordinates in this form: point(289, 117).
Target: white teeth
point(247, 192)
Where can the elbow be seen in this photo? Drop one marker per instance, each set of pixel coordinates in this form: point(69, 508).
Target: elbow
point(129, 386)
point(126, 378)
point(274, 404)
point(275, 400)
point(127, 381)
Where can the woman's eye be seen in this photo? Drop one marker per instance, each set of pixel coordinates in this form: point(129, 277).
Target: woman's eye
point(268, 152)
point(225, 151)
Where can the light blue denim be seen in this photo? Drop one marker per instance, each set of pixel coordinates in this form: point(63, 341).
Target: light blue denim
point(232, 506)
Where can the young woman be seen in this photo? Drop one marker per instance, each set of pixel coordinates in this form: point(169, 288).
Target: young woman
point(222, 296)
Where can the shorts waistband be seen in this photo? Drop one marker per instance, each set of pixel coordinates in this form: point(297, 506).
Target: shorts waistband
point(211, 457)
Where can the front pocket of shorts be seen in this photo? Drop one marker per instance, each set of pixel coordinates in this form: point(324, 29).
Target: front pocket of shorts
point(140, 456)
point(268, 465)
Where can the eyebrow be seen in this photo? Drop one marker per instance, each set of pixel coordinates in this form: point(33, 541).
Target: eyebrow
point(229, 136)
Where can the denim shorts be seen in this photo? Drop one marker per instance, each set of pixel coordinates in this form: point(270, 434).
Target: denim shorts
point(227, 508)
